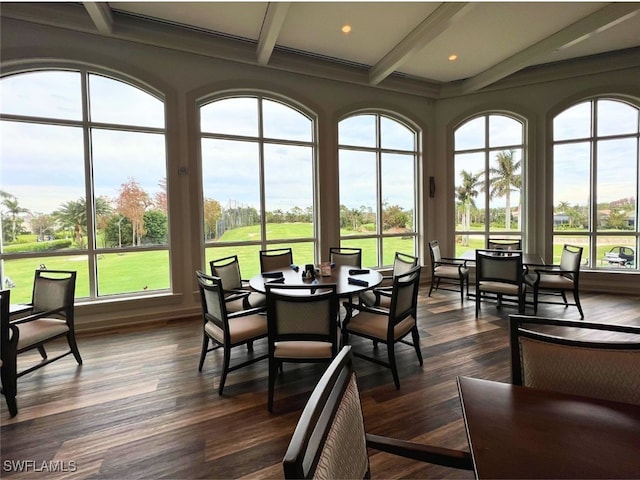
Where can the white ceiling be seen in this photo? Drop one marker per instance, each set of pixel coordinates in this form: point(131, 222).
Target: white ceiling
point(491, 39)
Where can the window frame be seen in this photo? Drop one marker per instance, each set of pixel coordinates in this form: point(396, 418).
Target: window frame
point(379, 236)
point(590, 258)
point(487, 151)
point(261, 140)
point(92, 250)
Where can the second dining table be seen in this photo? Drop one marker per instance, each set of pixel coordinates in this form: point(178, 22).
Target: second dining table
point(348, 279)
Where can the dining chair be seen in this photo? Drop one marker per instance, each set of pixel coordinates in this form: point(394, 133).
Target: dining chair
point(330, 440)
point(388, 326)
point(302, 326)
point(237, 292)
point(381, 295)
point(227, 330)
point(499, 275)
point(350, 257)
point(558, 279)
point(8, 347)
point(597, 360)
point(275, 259)
point(504, 244)
point(447, 270)
point(50, 317)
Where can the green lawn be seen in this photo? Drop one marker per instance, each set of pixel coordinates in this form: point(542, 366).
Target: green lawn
point(130, 272)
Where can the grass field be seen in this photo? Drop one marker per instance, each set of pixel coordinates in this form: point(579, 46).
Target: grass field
point(131, 272)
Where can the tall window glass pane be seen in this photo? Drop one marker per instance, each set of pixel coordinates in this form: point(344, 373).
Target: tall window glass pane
point(358, 200)
point(288, 192)
point(377, 161)
point(258, 181)
point(488, 180)
point(596, 182)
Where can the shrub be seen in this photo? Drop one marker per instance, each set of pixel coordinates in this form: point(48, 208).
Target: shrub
point(37, 246)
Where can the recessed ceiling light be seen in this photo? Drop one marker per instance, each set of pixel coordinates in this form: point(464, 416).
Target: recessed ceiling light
point(453, 57)
point(346, 29)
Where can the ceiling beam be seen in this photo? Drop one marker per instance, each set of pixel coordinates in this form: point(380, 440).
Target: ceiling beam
point(584, 28)
point(271, 26)
point(432, 26)
point(100, 14)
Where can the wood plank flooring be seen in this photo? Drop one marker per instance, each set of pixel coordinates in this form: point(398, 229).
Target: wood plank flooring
point(138, 407)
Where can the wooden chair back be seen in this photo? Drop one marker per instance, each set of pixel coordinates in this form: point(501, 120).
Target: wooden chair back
point(275, 259)
point(590, 359)
point(329, 439)
point(350, 257)
point(228, 270)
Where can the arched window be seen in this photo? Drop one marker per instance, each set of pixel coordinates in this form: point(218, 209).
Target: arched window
point(489, 166)
point(258, 179)
point(83, 183)
point(378, 186)
point(595, 182)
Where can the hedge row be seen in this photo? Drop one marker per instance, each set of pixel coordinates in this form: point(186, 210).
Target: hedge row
point(38, 246)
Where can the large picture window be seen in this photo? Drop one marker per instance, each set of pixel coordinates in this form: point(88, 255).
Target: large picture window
point(595, 187)
point(82, 183)
point(258, 179)
point(378, 165)
point(489, 154)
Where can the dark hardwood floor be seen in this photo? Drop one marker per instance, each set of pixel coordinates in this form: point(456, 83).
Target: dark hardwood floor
point(139, 408)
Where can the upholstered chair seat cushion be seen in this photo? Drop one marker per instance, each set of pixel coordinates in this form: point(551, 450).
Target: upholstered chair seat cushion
point(594, 372)
point(302, 349)
point(36, 331)
point(376, 326)
point(499, 287)
point(559, 282)
point(450, 271)
point(240, 328)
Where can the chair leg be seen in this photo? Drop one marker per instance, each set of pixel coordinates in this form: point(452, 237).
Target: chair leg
point(461, 290)
point(250, 346)
point(9, 385)
point(433, 280)
point(576, 297)
point(478, 297)
point(416, 343)
point(12, 404)
point(535, 301)
point(42, 351)
point(521, 303)
point(392, 364)
point(71, 338)
point(273, 371)
point(564, 298)
point(205, 346)
point(225, 368)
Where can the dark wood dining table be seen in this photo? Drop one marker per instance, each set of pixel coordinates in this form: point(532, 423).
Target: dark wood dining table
point(521, 432)
point(340, 275)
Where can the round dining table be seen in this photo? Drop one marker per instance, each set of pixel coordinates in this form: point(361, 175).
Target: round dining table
point(348, 280)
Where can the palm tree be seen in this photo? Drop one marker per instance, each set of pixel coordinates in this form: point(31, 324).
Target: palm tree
point(465, 193)
point(563, 209)
point(505, 179)
point(73, 214)
point(10, 202)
